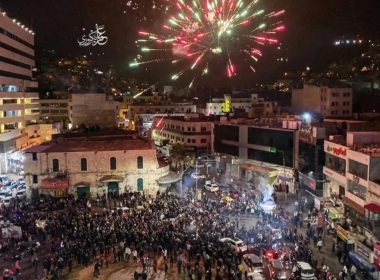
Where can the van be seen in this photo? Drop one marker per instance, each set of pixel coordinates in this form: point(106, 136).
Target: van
point(307, 272)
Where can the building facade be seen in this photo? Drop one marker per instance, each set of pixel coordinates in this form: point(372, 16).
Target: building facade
point(93, 166)
point(352, 176)
point(55, 110)
point(134, 111)
point(90, 109)
point(324, 101)
point(195, 131)
point(231, 104)
point(19, 107)
point(257, 152)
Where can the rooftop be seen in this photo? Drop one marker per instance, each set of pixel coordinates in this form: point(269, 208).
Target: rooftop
point(88, 144)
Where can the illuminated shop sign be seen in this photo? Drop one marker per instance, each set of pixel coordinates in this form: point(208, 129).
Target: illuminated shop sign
point(338, 151)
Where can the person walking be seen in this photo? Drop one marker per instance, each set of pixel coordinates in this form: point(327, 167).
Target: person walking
point(319, 244)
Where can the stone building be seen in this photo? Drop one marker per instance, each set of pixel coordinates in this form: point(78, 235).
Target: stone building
point(93, 165)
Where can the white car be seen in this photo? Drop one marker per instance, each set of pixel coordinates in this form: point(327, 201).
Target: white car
point(307, 272)
point(235, 243)
point(21, 194)
point(212, 188)
point(5, 193)
point(197, 176)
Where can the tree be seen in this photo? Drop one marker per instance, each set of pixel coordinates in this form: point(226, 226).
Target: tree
point(181, 156)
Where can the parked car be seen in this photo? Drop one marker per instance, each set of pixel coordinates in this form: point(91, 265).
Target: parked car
point(3, 179)
point(235, 243)
point(5, 193)
point(21, 194)
point(307, 272)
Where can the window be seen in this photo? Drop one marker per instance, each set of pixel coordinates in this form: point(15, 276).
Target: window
point(347, 94)
point(358, 169)
point(83, 164)
point(34, 156)
point(356, 189)
point(203, 140)
point(140, 162)
point(193, 140)
point(35, 179)
point(188, 140)
point(335, 163)
point(113, 163)
point(203, 129)
point(140, 184)
point(55, 165)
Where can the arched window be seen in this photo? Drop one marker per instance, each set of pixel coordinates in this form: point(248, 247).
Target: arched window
point(113, 163)
point(83, 164)
point(140, 184)
point(55, 165)
point(140, 162)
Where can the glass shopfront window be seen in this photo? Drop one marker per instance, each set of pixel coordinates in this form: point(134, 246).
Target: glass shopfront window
point(356, 189)
point(358, 169)
point(335, 163)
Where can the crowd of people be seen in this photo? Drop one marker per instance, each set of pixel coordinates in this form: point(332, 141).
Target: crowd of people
point(138, 229)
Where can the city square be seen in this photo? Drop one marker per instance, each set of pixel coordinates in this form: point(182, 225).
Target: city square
point(189, 139)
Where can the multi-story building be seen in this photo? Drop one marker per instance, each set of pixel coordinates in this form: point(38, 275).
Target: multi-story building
point(93, 166)
point(352, 173)
point(19, 107)
point(323, 100)
point(192, 130)
point(257, 151)
point(55, 110)
point(231, 104)
point(90, 109)
point(134, 111)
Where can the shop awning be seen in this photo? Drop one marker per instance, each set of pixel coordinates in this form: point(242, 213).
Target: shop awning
point(334, 214)
point(360, 262)
point(111, 178)
point(373, 207)
point(172, 177)
point(257, 168)
point(49, 184)
point(82, 184)
point(353, 205)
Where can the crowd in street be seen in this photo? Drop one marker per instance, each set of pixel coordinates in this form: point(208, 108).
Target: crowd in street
point(138, 229)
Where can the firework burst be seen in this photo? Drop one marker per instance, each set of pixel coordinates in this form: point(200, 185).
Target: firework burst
point(201, 32)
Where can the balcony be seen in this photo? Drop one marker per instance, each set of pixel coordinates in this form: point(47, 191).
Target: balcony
point(11, 107)
point(9, 120)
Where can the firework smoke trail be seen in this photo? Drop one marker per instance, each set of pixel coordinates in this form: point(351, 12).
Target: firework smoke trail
point(200, 31)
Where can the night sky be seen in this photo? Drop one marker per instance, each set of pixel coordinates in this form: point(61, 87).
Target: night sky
point(312, 25)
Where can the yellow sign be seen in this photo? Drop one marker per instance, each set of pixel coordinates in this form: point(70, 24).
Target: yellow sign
point(342, 233)
point(227, 104)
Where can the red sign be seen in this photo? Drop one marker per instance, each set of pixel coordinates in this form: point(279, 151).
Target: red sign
point(55, 184)
point(337, 151)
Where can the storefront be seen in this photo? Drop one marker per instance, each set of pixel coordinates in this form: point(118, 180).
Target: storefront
point(335, 170)
point(376, 258)
point(252, 171)
point(354, 211)
point(55, 187)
